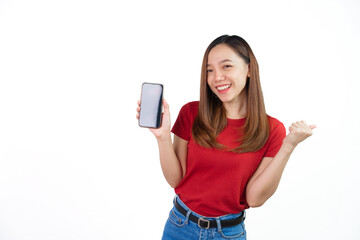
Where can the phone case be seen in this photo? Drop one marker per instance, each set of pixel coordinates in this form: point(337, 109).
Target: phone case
point(151, 105)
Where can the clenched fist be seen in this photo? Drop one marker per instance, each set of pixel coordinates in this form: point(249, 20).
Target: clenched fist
point(298, 132)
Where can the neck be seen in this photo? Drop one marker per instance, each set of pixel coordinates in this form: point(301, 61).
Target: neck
point(237, 108)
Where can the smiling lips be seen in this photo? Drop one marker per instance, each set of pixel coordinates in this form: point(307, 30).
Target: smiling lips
point(222, 88)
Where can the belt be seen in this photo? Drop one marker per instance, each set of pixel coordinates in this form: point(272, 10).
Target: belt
point(205, 223)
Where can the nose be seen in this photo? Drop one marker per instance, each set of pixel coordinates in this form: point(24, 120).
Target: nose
point(219, 76)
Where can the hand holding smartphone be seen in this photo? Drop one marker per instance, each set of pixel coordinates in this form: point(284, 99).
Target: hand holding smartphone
point(151, 105)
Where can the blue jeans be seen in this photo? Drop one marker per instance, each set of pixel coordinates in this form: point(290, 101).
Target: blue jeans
point(179, 227)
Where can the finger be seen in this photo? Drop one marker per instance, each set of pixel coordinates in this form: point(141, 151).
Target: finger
point(165, 103)
point(138, 102)
point(138, 109)
point(295, 125)
point(303, 123)
point(166, 106)
point(291, 129)
point(303, 127)
point(137, 116)
point(298, 124)
point(296, 128)
point(312, 126)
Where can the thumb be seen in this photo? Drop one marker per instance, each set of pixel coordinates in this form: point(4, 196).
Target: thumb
point(312, 126)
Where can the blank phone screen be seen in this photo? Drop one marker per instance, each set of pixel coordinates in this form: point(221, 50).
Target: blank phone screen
point(151, 105)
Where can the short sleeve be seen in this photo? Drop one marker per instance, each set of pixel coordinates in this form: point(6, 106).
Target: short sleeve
point(277, 135)
point(183, 123)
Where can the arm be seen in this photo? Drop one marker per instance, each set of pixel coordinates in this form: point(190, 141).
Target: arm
point(266, 178)
point(172, 156)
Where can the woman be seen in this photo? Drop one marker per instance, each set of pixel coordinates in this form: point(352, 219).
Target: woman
point(227, 154)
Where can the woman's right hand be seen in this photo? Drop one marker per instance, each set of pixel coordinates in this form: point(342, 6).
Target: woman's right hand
point(164, 130)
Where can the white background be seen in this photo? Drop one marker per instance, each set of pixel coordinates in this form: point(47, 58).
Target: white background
point(75, 165)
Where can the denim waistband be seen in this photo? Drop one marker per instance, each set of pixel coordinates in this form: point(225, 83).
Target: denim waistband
point(224, 217)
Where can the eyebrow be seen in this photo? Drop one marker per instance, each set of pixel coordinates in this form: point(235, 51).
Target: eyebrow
point(225, 60)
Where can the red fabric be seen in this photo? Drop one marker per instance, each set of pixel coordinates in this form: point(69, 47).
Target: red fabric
point(215, 181)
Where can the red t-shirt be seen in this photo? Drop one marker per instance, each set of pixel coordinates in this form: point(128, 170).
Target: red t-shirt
point(215, 180)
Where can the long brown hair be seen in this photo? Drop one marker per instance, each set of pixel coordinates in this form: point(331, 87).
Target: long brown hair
point(211, 118)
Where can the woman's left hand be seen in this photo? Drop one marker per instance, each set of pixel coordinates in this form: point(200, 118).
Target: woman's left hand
point(298, 132)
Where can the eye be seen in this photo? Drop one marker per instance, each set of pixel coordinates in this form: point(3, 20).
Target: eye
point(209, 71)
point(227, 66)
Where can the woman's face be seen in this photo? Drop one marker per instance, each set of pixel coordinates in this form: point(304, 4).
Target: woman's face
point(226, 74)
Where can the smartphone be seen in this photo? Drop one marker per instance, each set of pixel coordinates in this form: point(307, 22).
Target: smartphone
point(151, 105)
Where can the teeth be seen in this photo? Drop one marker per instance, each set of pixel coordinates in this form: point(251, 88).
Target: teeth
point(223, 87)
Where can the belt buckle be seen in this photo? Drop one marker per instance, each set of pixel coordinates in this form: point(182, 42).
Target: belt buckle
point(201, 220)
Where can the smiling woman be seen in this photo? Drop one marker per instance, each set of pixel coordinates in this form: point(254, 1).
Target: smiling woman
point(228, 154)
point(229, 61)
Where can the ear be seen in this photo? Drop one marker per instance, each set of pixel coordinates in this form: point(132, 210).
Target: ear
point(248, 74)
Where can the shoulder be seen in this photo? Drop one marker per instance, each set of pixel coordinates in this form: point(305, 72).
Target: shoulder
point(190, 108)
point(276, 136)
point(273, 121)
point(185, 119)
point(191, 105)
point(276, 126)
